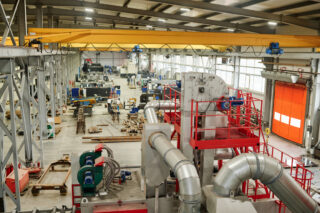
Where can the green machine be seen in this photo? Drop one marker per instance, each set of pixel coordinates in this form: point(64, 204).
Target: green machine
point(89, 176)
point(91, 170)
point(96, 169)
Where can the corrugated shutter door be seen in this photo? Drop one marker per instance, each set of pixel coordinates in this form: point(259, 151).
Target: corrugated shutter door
point(289, 111)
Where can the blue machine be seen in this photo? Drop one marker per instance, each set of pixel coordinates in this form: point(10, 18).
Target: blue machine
point(178, 82)
point(137, 48)
point(225, 105)
point(144, 89)
point(274, 49)
point(134, 110)
point(75, 92)
point(124, 175)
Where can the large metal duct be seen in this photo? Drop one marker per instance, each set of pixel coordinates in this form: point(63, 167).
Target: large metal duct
point(149, 109)
point(189, 182)
point(270, 172)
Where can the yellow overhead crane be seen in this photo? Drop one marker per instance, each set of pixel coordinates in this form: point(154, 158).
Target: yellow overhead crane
point(151, 39)
point(116, 40)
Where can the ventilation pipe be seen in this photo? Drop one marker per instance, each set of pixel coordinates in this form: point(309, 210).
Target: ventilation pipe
point(270, 172)
point(189, 182)
point(152, 106)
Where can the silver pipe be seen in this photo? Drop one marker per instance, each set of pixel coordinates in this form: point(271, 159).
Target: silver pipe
point(270, 172)
point(156, 200)
point(223, 154)
point(152, 106)
point(189, 182)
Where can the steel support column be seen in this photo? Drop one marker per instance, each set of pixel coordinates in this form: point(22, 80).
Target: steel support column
point(39, 16)
point(236, 78)
point(206, 167)
point(26, 116)
point(34, 67)
point(42, 104)
point(22, 21)
point(314, 104)
point(268, 97)
point(59, 84)
point(52, 91)
point(7, 69)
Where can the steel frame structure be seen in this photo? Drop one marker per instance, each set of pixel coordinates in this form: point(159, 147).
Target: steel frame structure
point(35, 89)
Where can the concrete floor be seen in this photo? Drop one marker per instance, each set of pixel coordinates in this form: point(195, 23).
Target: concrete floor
point(67, 142)
point(127, 154)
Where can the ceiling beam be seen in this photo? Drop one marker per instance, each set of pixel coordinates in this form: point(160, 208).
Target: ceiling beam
point(307, 13)
point(64, 12)
point(278, 9)
point(244, 12)
point(80, 19)
point(76, 3)
point(160, 10)
point(240, 5)
point(312, 12)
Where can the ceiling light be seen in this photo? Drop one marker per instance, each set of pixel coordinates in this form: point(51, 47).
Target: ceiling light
point(89, 10)
point(294, 78)
point(7, 17)
point(88, 18)
point(230, 30)
point(272, 23)
point(183, 9)
point(149, 26)
point(161, 20)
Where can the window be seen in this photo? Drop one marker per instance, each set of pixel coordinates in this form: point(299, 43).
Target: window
point(189, 60)
point(250, 75)
point(225, 69)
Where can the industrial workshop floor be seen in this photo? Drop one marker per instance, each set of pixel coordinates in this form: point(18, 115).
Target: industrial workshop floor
point(127, 154)
point(67, 142)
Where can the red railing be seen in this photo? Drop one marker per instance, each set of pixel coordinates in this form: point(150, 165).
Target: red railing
point(297, 171)
point(237, 123)
point(172, 116)
point(240, 132)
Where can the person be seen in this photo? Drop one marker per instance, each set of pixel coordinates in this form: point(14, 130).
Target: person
point(128, 80)
point(118, 102)
point(133, 78)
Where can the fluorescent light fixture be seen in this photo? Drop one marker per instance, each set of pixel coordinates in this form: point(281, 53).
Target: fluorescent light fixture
point(272, 23)
point(161, 20)
point(183, 9)
point(89, 10)
point(7, 17)
point(230, 30)
point(149, 26)
point(294, 78)
point(88, 18)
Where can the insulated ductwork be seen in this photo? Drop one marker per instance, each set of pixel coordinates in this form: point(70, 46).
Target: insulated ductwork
point(189, 182)
point(152, 106)
point(270, 172)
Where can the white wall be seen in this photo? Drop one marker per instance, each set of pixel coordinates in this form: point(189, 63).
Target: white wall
point(106, 58)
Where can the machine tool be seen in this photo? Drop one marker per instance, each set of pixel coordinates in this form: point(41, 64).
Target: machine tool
point(99, 185)
point(95, 168)
point(86, 103)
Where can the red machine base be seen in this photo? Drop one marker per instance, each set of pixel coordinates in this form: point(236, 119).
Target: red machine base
point(125, 208)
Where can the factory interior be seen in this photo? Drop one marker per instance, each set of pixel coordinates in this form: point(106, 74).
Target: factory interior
point(159, 106)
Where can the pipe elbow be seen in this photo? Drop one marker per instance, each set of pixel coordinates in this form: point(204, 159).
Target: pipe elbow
point(270, 172)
